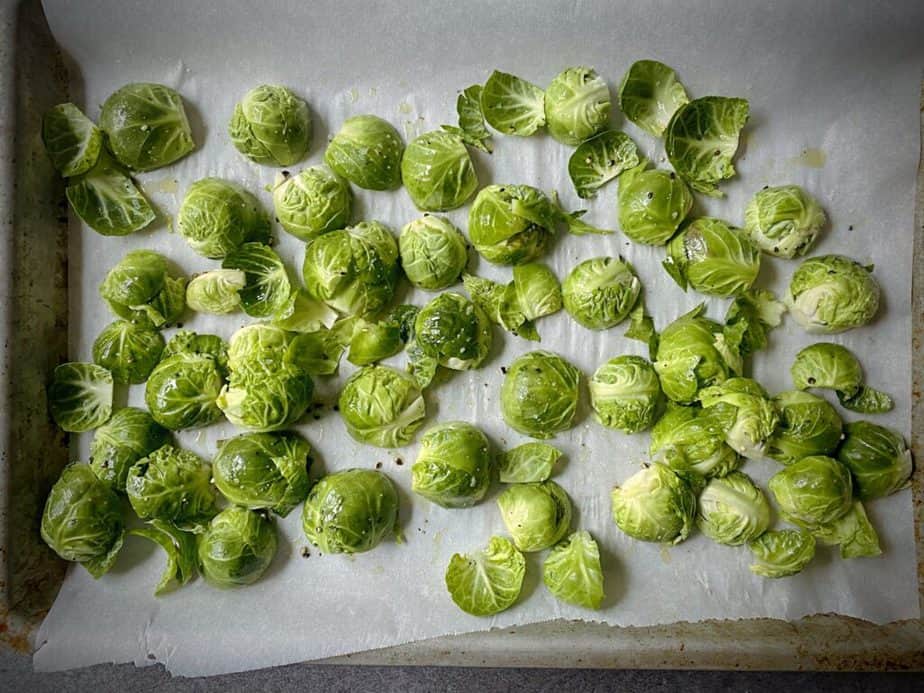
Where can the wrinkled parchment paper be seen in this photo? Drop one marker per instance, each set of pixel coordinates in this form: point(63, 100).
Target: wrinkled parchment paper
point(833, 89)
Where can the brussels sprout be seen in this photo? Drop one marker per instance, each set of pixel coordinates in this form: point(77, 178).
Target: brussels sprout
point(374, 341)
point(217, 217)
point(172, 485)
point(537, 515)
point(438, 171)
point(312, 202)
point(140, 288)
point(471, 128)
point(782, 553)
point(702, 138)
point(784, 221)
point(731, 510)
point(367, 152)
point(353, 270)
point(182, 391)
point(533, 293)
point(453, 468)
point(180, 548)
point(652, 204)
point(654, 504)
point(600, 292)
point(814, 491)
point(625, 394)
point(455, 331)
point(692, 440)
point(751, 316)
point(189, 342)
point(108, 201)
point(305, 314)
point(129, 351)
point(877, 457)
point(488, 581)
point(512, 105)
point(382, 406)
point(350, 511)
point(832, 293)
point(529, 462)
point(832, 366)
point(749, 415)
point(216, 291)
point(808, 426)
point(852, 532)
point(641, 328)
point(267, 287)
point(599, 160)
point(237, 547)
point(712, 257)
point(319, 353)
point(72, 141)
point(82, 520)
point(146, 126)
point(650, 94)
point(433, 252)
point(271, 125)
point(263, 470)
point(80, 396)
point(572, 571)
point(421, 367)
point(537, 289)
point(577, 105)
point(123, 440)
point(540, 394)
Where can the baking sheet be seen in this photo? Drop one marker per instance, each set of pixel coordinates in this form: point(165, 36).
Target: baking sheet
point(834, 96)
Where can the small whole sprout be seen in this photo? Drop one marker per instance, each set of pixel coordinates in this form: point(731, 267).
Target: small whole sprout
point(367, 152)
point(577, 105)
point(82, 520)
point(832, 293)
point(382, 406)
point(540, 393)
point(453, 468)
point(80, 396)
point(537, 515)
point(814, 491)
point(107, 200)
point(731, 510)
point(455, 331)
point(216, 292)
point(512, 105)
point(237, 547)
point(784, 221)
point(652, 204)
point(433, 252)
point(749, 415)
point(72, 141)
point(488, 581)
point(128, 350)
point(438, 171)
point(527, 463)
point(312, 202)
point(808, 426)
point(782, 553)
point(217, 217)
point(625, 394)
point(123, 440)
point(712, 257)
point(350, 511)
point(852, 532)
point(140, 287)
point(878, 459)
point(271, 125)
point(599, 293)
point(654, 504)
point(650, 94)
point(691, 440)
point(572, 571)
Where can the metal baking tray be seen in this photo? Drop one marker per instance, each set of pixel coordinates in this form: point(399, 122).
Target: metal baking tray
point(33, 339)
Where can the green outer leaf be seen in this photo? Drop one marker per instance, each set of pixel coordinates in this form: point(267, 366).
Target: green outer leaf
point(529, 462)
point(80, 396)
point(572, 571)
point(180, 548)
point(304, 313)
point(641, 328)
point(650, 94)
point(599, 160)
point(267, 289)
point(757, 311)
point(471, 119)
point(420, 366)
point(866, 400)
point(438, 172)
point(853, 533)
point(512, 105)
point(577, 105)
point(72, 141)
point(123, 440)
point(108, 201)
point(713, 257)
point(488, 581)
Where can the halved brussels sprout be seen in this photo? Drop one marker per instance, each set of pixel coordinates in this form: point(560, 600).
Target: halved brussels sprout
point(512, 105)
point(702, 138)
point(784, 221)
point(749, 415)
point(263, 470)
point(217, 217)
point(271, 125)
point(146, 126)
point(853, 532)
point(471, 128)
point(374, 341)
point(367, 152)
point(832, 366)
point(312, 202)
point(180, 548)
point(172, 485)
point(72, 141)
point(537, 289)
point(353, 270)
point(599, 160)
point(433, 252)
point(750, 317)
point(455, 331)
point(808, 426)
point(453, 468)
point(128, 350)
point(731, 510)
point(832, 293)
point(267, 287)
point(305, 314)
point(654, 504)
point(782, 553)
point(529, 462)
point(438, 172)
point(878, 459)
point(216, 291)
point(650, 94)
point(123, 440)
point(537, 515)
point(382, 406)
point(625, 394)
point(577, 105)
point(82, 520)
point(814, 491)
point(540, 394)
point(488, 581)
point(140, 288)
point(712, 257)
point(80, 396)
point(692, 440)
point(572, 571)
point(237, 547)
point(108, 201)
point(350, 511)
point(600, 292)
point(652, 204)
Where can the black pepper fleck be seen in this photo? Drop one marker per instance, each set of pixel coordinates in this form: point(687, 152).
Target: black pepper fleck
point(378, 465)
point(399, 461)
point(305, 552)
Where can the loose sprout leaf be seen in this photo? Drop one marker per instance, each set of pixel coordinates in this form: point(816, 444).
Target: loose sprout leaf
point(853, 533)
point(317, 353)
point(641, 328)
point(529, 462)
point(302, 313)
point(577, 105)
point(488, 581)
point(599, 160)
point(758, 311)
point(267, 288)
point(512, 105)
point(180, 548)
point(537, 290)
point(420, 366)
point(572, 571)
point(99, 566)
point(650, 94)
point(488, 295)
point(867, 400)
point(72, 141)
point(374, 341)
point(108, 201)
point(471, 119)
point(782, 553)
point(80, 396)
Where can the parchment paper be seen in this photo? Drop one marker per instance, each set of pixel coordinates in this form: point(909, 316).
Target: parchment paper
point(833, 89)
